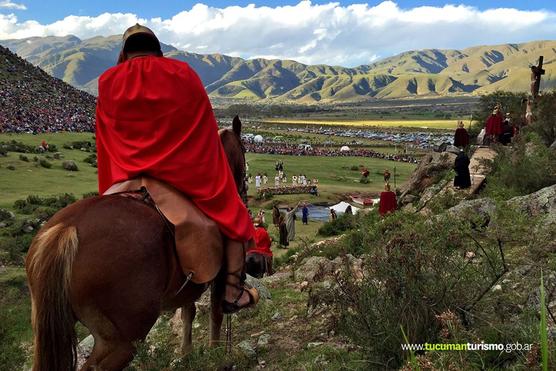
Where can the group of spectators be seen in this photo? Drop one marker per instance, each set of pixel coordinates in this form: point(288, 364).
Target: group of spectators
point(31, 101)
point(296, 150)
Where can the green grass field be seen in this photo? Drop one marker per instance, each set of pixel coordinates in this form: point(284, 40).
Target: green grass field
point(334, 173)
point(421, 124)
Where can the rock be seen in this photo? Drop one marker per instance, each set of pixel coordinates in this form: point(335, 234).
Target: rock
point(247, 349)
point(553, 145)
point(542, 202)
point(314, 344)
point(484, 207)
point(70, 165)
point(277, 316)
point(2, 224)
point(256, 283)
point(497, 288)
point(263, 341)
point(312, 268)
point(303, 285)
point(28, 229)
point(57, 155)
point(427, 172)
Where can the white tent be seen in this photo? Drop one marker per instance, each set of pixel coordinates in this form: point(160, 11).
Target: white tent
point(258, 139)
point(341, 208)
point(344, 149)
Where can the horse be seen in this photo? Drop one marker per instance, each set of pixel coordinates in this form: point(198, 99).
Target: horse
point(109, 262)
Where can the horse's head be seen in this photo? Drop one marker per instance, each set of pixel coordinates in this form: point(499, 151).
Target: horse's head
point(235, 151)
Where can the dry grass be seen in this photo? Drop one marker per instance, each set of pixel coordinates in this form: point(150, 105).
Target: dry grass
point(425, 124)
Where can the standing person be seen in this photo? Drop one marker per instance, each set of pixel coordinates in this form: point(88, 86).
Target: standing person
point(507, 133)
point(265, 179)
point(333, 215)
point(387, 203)
point(258, 181)
point(261, 216)
point(462, 179)
point(277, 180)
point(283, 230)
point(262, 246)
point(493, 126)
point(305, 214)
point(386, 176)
point(275, 215)
point(290, 222)
point(148, 99)
point(461, 137)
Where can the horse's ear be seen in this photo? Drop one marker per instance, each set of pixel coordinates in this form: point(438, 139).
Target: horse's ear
point(236, 125)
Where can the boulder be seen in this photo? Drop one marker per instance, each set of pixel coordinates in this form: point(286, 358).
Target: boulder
point(483, 207)
point(256, 283)
point(312, 268)
point(247, 349)
point(542, 202)
point(70, 165)
point(427, 172)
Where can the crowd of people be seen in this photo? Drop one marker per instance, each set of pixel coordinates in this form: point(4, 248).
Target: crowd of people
point(296, 150)
point(31, 101)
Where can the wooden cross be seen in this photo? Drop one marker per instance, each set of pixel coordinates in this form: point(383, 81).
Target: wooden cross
point(536, 73)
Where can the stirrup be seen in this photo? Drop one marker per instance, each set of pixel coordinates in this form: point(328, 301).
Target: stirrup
point(229, 308)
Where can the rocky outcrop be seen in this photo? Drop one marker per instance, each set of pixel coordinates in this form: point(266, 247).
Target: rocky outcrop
point(428, 172)
point(538, 204)
point(542, 202)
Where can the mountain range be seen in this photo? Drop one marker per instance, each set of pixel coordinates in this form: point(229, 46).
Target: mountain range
point(422, 73)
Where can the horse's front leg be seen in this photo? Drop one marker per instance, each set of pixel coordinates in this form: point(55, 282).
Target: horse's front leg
point(187, 315)
point(216, 314)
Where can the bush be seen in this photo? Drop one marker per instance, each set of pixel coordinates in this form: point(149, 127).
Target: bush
point(24, 158)
point(417, 269)
point(10, 167)
point(343, 223)
point(70, 165)
point(45, 163)
point(364, 180)
point(544, 120)
point(523, 169)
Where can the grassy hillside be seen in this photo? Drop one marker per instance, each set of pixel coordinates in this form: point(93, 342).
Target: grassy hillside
point(422, 73)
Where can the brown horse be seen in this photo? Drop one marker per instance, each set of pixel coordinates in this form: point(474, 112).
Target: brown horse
point(109, 263)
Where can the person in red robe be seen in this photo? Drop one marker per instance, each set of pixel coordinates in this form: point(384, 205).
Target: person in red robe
point(387, 203)
point(493, 126)
point(154, 118)
point(262, 245)
point(461, 137)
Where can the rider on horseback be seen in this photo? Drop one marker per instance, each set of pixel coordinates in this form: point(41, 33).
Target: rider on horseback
point(154, 118)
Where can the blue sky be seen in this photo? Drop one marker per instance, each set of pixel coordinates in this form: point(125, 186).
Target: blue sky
point(347, 33)
point(52, 10)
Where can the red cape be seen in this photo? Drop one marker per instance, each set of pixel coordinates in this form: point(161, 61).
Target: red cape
point(387, 203)
point(154, 118)
point(494, 125)
point(262, 243)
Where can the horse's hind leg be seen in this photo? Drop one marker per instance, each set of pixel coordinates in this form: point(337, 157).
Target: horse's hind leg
point(187, 315)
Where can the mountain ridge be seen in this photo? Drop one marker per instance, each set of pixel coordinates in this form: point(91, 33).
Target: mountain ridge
point(415, 73)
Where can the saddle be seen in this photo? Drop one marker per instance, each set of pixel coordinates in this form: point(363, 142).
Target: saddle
point(199, 243)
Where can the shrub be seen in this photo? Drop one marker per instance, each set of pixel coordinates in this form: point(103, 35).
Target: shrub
point(90, 194)
point(24, 158)
point(70, 165)
point(417, 269)
point(10, 167)
point(364, 180)
point(523, 169)
point(45, 163)
point(343, 223)
point(354, 168)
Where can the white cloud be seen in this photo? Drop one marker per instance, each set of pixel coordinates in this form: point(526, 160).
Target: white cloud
point(8, 4)
point(312, 33)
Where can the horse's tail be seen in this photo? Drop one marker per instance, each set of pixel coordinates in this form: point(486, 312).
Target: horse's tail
point(49, 267)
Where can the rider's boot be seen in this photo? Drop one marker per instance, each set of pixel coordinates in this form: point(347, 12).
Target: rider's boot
point(237, 295)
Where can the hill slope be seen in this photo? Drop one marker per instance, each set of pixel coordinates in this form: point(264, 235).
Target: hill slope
point(424, 73)
point(33, 101)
